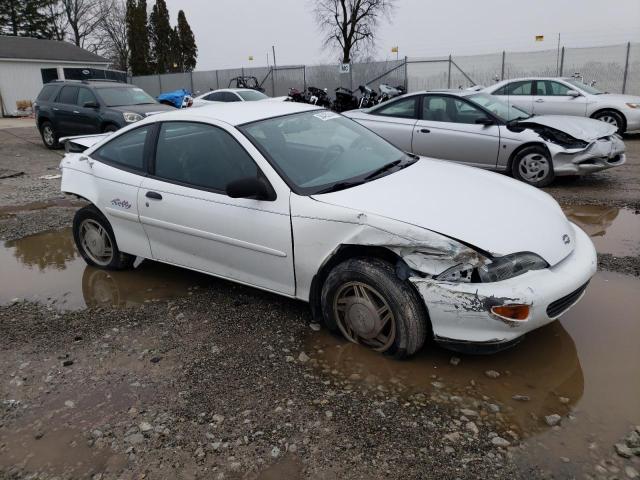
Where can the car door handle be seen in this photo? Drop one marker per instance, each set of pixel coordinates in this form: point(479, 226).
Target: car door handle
point(425, 130)
point(76, 111)
point(154, 195)
point(56, 109)
point(540, 100)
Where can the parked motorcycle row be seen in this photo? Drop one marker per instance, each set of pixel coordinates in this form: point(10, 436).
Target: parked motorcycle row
point(346, 99)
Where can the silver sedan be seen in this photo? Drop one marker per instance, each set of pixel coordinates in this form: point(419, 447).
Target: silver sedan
point(481, 130)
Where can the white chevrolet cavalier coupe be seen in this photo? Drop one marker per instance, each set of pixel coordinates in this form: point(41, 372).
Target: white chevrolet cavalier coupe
point(387, 247)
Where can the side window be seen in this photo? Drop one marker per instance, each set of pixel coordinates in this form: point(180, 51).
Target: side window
point(404, 108)
point(68, 95)
point(201, 155)
point(47, 92)
point(230, 97)
point(126, 150)
point(213, 97)
point(84, 96)
point(501, 91)
point(519, 88)
point(550, 88)
point(449, 109)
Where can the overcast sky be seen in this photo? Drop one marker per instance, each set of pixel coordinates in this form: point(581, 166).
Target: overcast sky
point(229, 31)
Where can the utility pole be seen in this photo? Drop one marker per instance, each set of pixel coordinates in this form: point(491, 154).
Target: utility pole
point(558, 57)
point(274, 56)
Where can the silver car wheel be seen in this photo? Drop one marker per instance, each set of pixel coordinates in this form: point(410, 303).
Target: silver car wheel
point(610, 119)
point(95, 242)
point(534, 167)
point(47, 135)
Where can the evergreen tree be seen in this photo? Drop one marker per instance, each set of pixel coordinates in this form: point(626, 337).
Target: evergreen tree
point(176, 64)
point(25, 18)
point(188, 48)
point(160, 31)
point(138, 37)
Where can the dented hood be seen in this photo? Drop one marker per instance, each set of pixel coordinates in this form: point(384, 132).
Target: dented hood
point(582, 128)
point(487, 210)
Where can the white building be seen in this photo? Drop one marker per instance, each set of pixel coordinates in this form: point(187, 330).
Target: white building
point(27, 63)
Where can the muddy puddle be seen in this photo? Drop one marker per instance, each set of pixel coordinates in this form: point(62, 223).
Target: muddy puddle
point(613, 230)
point(583, 367)
point(47, 268)
point(8, 210)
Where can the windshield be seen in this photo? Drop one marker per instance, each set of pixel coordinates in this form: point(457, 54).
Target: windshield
point(251, 95)
point(499, 108)
point(121, 96)
point(583, 86)
point(319, 151)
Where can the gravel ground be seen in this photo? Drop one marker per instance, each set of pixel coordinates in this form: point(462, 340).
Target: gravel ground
point(178, 389)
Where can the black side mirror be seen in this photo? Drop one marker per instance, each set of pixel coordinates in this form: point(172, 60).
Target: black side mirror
point(486, 121)
point(91, 105)
point(250, 187)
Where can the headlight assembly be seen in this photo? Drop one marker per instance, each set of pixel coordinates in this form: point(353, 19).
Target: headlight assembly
point(131, 117)
point(494, 270)
point(633, 105)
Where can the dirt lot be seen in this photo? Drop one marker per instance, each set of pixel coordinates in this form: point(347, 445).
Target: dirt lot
point(162, 373)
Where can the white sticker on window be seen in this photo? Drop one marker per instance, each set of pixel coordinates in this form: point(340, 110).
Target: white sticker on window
point(324, 116)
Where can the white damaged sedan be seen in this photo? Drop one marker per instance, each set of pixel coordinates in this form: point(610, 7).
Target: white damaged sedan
point(390, 249)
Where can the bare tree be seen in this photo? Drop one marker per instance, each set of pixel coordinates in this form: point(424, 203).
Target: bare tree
point(83, 17)
point(110, 36)
point(59, 22)
point(350, 24)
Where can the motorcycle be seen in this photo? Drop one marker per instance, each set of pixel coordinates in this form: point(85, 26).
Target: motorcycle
point(368, 97)
point(388, 92)
point(317, 96)
point(345, 100)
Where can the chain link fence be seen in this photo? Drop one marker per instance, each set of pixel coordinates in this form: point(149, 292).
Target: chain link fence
point(614, 68)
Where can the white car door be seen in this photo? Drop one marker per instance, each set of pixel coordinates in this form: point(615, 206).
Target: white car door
point(447, 129)
point(518, 93)
point(552, 98)
point(118, 168)
point(393, 121)
point(190, 220)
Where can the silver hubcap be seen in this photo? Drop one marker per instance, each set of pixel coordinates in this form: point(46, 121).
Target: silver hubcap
point(364, 316)
point(96, 242)
point(534, 167)
point(609, 119)
point(47, 134)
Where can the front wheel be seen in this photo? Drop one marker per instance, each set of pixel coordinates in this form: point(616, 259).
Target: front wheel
point(49, 136)
point(533, 165)
point(96, 242)
point(612, 118)
point(368, 304)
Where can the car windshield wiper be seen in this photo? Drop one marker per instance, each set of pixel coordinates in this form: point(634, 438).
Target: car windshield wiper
point(339, 186)
point(383, 169)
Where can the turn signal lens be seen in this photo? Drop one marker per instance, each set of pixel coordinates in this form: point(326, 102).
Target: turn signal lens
point(518, 313)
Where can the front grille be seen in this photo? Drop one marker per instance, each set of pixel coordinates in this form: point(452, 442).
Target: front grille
point(557, 308)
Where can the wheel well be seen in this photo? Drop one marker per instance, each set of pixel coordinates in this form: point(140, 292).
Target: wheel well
point(106, 124)
point(41, 120)
point(618, 112)
point(522, 147)
point(344, 252)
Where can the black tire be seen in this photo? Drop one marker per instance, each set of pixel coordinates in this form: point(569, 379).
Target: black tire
point(533, 165)
point(110, 127)
point(49, 135)
point(613, 118)
point(93, 218)
point(409, 314)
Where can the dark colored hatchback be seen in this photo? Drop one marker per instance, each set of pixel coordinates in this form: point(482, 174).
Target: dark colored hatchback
point(71, 107)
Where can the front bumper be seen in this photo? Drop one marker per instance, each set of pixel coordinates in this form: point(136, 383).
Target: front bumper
point(599, 155)
point(461, 312)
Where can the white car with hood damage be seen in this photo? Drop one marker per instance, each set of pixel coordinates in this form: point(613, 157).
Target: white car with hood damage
point(481, 130)
point(389, 248)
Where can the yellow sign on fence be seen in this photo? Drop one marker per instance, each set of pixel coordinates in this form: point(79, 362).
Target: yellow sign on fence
point(539, 38)
point(394, 49)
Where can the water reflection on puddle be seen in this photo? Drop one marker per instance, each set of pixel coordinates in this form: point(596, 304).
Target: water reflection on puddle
point(47, 268)
point(613, 230)
point(590, 358)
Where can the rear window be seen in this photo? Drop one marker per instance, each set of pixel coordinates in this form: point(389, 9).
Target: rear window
point(47, 92)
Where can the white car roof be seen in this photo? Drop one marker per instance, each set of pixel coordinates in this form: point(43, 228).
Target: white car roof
point(236, 113)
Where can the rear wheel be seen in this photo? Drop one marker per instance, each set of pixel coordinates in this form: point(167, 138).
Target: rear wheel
point(96, 242)
point(49, 136)
point(533, 165)
point(612, 118)
point(364, 300)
